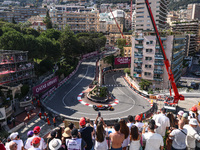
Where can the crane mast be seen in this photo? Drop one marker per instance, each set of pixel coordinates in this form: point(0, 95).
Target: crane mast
point(177, 96)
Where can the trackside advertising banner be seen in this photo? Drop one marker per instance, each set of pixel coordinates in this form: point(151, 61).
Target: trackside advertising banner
point(45, 86)
point(122, 60)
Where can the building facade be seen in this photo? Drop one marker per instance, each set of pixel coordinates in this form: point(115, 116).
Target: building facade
point(147, 61)
point(193, 40)
point(15, 68)
point(111, 38)
point(21, 14)
point(142, 18)
point(193, 11)
point(77, 21)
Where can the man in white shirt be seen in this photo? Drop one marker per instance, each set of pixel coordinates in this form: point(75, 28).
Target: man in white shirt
point(35, 143)
point(192, 135)
point(12, 145)
point(130, 122)
point(154, 141)
point(14, 138)
point(163, 122)
point(138, 123)
point(179, 136)
point(36, 131)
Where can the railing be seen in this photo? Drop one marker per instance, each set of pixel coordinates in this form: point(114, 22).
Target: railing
point(138, 55)
point(158, 71)
point(157, 79)
point(159, 57)
point(138, 45)
point(137, 70)
point(138, 61)
point(25, 103)
point(159, 63)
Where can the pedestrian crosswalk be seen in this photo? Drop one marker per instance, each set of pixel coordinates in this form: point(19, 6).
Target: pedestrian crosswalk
point(113, 85)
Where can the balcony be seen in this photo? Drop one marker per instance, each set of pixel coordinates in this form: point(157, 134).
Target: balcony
point(158, 71)
point(158, 46)
point(139, 39)
point(158, 56)
point(138, 55)
point(138, 45)
point(157, 79)
point(159, 63)
point(138, 62)
point(139, 70)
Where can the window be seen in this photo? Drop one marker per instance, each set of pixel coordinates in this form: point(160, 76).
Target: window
point(148, 25)
point(140, 8)
point(149, 50)
point(140, 17)
point(151, 42)
point(147, 73)
point(141, 12)
point(139, 20)
point(148, 58)
point(147, 66)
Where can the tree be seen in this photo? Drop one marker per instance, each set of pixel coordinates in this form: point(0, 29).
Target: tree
point(13, 20)
point(48, 21)
point(52, 34)
point(109, 60)
point(30, 31)
point(144, 84)
point(68, 43)
point(12, 40)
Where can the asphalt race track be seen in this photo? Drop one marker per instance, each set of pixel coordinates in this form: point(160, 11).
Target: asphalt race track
point(64, 100)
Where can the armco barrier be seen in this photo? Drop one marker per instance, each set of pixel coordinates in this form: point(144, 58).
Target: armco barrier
point(25, 103)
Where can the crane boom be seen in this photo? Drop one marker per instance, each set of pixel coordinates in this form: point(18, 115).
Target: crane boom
point(177, 96)
point(117, 23)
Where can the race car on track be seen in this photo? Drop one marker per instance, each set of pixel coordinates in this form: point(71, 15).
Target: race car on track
point(102, 107)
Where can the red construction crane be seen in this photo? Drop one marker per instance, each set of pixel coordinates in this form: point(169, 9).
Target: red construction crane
point(170, 100)
point(117, 24)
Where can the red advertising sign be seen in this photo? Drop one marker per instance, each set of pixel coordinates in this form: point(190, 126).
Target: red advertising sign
point(44, 86)
point(122, 60)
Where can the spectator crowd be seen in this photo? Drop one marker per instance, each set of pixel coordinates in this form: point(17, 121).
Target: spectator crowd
point(163, 130)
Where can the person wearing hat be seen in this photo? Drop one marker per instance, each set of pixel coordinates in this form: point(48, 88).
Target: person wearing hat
point(138, 123)
point(154, 141)
point(52, 136)
point(192, 134)
point(55, 144)
point(29, 134)
point(14, 138)
point(179, 136)
point(75, 142)
point(86, 133)
point(193, 113)
point(163, 121)
point(180, 114)
point(36, 132)
point(35, 143)
point(66, 135)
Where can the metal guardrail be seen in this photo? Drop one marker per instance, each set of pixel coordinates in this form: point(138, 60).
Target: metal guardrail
point(25, 103)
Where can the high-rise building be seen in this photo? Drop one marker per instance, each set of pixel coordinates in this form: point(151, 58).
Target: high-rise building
point(147, 61)
point(142, 18)
point(193, 11)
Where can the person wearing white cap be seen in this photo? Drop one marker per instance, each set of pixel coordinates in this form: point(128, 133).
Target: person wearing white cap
point(192, 135)
point(180, 114)
point(55, 144)
point(14, 137)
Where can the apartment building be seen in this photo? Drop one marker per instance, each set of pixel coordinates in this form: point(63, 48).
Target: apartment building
point(15, 68)
point(77, 21)
point(127, 51)
point(21, 14)
point(193, 40)
point(147, 59)
point(142, 18)
point(112, 38)
point(193, 11)
point(37, 22)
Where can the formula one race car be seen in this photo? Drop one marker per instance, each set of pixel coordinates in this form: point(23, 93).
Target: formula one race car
point(102, 107)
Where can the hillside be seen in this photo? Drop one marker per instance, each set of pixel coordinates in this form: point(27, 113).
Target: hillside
point(174, 5)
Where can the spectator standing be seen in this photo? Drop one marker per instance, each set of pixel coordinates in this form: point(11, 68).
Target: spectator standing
point(12, 145)
point(192, 135)
point(66, 135)
point(179, 136)
point(124, 129)
point(100, 141)
point(86, 133)
point(130, 122)
point(172, 120)
point(138, 123)
point(35, 143)
point(14, 138)
point(52, 136)
point(163, 121)
point(36, 132)
point(75, 143)
point(55, 144)
point(135, 138)
point(180, 114)
point(29, 134)
point(116, 138)
point(154, 141)
point(1, 145)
